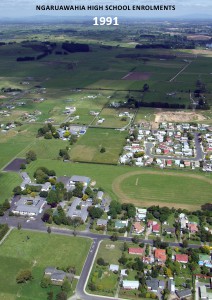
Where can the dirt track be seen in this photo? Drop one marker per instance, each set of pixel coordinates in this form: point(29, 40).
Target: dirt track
point(125, 199)
point(178, 116)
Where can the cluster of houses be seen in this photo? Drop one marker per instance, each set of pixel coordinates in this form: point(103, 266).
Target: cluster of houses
point(171, 145)
point(67, 131)
point(159, 257)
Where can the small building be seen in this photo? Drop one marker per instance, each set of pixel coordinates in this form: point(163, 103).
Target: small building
point(121, 224)
point(136, 251)
point(171, 286)
point(83, 179)
point(138, 228)
point(56, 276)
point(156, 228)
point(192, 227)
point(124, 272)
point(29, 206)
point(99, 195)
point(101, 222)
point(203, 292)
point(182, 258)
point(152, 284)
point(114, 268)
point(160, 255)
point(170, 230)
point(130, 284)
point(184, 293)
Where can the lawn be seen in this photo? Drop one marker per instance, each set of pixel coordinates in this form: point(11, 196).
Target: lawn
point(36, 251)
point(8, 180)
point(88, 147)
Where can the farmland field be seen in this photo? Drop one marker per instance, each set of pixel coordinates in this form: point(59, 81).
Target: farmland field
point(36, 251)
point(7, 183)
point(89, 145)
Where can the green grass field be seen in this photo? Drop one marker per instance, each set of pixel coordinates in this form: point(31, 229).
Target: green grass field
point(110, 178)
point(8, 180)
point(89, 145)
point(36, 253)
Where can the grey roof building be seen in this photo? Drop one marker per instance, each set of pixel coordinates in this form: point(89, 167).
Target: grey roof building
point(183, 293)
point(152, 284)
point(171, 285)
point(83, 179)
point(100, 195)
point(65, 180)
point(81, 213)
point(29, 206)
point(101, 222)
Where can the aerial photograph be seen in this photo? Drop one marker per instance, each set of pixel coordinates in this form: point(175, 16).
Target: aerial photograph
point(105, 150)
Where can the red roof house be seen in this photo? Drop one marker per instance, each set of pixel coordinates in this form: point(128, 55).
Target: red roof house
point(182, 258)
point(156, 228)
point(160, 255)
point(169, 163)
point(138, 251)
point(138, 228)
point(193, 228)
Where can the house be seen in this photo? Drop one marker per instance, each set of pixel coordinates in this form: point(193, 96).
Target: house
point(114, 268)
point(203, 292)
point(83, 179)
point(123, 272)
point(130, 284)
point(66, 181)
point(121, 224)
point(137, 251)
point(99, 195)
point(152, 284)
point(161, 284)
point(193, 228)
point(29, 206)
point(101, 222)
point(182, 258)
point(156, 228)
point(46, 186)
point(141, 213)
point(76, 211)
point(169, 163)
point(184, 293)
point(170, 230)
point(206, 260)
point(171, 285)
point(56, 276)
point(160, 255)
point(137, 227)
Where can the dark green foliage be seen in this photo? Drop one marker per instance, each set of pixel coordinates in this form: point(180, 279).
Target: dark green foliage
point(3, 230)
point(30, 156)
point(95, 212)
point(24, 276)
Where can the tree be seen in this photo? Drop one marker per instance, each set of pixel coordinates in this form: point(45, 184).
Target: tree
point(45, 282)
point(95, 212)
point(114, 237)
point(66, 286)
point(185, 243)
point(61, 296)
point(50, 295)
point(49, 229)
point(135, 239)
point(30, 156)
point(101, 262)
point(24, 276)
point(145, 87)
point(102, 150)
point(22, 166)
point(17, 190)
point(19, 226)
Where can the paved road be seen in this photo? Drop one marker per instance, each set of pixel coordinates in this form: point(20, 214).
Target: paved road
point(198, 157)
point(38, 225)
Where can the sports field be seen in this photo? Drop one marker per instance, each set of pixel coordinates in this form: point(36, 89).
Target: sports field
point(164, 188)
point(167, 189)
point(36, 251)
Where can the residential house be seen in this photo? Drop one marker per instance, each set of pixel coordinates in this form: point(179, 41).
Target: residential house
point(138, 228)
point(141, 214)
point(205, 260)
point(170, 230)
point(192, 227)
point(152, 284)
point(203, 292)
point(101, 222)
point(130, 284)
point(56, 276)
point(114, 268)
point(100, 195)
point(156, 228)
point(124, 272)
point(184, 293)
point(160, 255)
point(136, 251)
point(83, 179)
point(121, 224)
point(171, 285)
point(182, 258)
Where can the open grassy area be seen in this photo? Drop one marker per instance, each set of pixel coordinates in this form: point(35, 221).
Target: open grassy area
point(175, 190)
point(89, 145)
point(8, 180)
point(37, 252)
point(106, 176)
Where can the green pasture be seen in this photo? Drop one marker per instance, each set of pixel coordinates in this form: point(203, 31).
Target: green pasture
point(88, 147)
point(36, 251)
point(8, 180)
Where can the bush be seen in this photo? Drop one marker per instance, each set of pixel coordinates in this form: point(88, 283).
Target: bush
point(24, 276)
